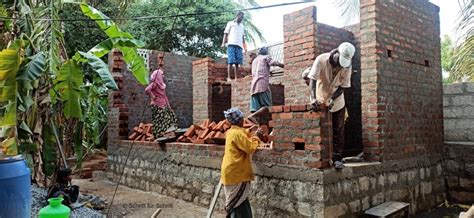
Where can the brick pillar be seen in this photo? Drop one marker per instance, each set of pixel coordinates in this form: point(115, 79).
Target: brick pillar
point(299, 52)
point(118, 110)
point(401, 79)
point(202, 97)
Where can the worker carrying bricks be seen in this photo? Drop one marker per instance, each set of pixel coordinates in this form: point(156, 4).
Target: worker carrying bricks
point(163, 117)
point(261, 95)
point(328, 77)
point(236, 169)
point(234, 40)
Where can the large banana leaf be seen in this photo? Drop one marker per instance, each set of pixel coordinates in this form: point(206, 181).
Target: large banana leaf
point(99, 67)
point(9, 65)
point(34, 68)
point(68, 85)
point(78, 149)
point(107, 45)
point(130, 55)
point(49, 151)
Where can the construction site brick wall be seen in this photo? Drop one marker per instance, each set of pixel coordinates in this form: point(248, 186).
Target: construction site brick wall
point(402, 114)
point(241, 94)
point(305, 38)
point(191, 173)
point(221, 96)
point(179, 81)
point(300, 132)
point(117, 120)
point(458, 103)
point(208, 101)
point(131, 94)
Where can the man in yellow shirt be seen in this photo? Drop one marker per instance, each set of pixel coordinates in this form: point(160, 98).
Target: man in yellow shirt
point(236, 169)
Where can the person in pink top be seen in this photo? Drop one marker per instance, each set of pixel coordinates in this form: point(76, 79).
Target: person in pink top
point(163, 116)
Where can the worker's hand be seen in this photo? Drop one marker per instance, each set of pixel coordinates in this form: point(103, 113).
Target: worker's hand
point(315, 107)
point(331, 103)
point(253, 128)
point(259, 133)
point(306, 81)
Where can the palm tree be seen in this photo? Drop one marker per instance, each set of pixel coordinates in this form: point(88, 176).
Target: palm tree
point(463, 57)
point(348, 9)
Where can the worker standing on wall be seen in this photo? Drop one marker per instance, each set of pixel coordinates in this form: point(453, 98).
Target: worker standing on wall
point(261, 95)
point(330, 74)
point(236, 169)
point(234, 39)
point(163, 117)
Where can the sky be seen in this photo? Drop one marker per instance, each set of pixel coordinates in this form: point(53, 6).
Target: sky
point(270, 20)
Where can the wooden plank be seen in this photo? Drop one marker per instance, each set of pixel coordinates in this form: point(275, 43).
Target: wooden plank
point(387, 208)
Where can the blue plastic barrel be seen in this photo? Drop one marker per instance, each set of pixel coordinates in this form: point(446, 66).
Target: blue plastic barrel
point(15, 187)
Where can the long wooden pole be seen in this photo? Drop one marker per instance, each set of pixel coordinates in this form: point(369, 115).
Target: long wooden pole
point(214, 200)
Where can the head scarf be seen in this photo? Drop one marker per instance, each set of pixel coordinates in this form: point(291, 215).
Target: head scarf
point(234, 116)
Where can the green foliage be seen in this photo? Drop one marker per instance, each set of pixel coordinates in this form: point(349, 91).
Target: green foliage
point(49, 153)
point(67, 84)
point(463, 55)
point(101, 68)
point(8, 69)
point(190, 35)
point(446, 53)
point(74, 32)
point(9, 65)
point(49, 89)
point(130, 55)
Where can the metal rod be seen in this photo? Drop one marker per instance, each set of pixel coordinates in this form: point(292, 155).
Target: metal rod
point(55, 132)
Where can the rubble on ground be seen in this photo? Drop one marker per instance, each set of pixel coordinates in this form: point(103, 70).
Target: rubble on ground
point(38, 201)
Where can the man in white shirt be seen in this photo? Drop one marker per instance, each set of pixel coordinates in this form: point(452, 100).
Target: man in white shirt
point(234, 39)
point(328, 77)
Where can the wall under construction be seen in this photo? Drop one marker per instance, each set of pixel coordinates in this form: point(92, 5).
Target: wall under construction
point(395, 117)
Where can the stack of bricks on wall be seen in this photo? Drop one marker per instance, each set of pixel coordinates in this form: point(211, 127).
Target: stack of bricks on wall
point(395, 107)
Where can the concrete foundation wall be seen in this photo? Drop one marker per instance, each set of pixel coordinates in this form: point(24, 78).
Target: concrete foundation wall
point(191, 172)
point(458, 103)
point(459, 170)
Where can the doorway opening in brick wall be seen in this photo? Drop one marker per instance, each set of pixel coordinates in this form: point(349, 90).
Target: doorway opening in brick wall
point(221, 100)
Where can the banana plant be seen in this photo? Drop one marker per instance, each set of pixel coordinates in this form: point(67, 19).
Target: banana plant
point(41, 88)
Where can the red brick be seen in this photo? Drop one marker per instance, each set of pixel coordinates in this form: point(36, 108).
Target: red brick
point(276, 109)
point(298, 140)
point(298, 108)
point(313, 164)
point(286, 116)
point(311, 115)
point(287, 108)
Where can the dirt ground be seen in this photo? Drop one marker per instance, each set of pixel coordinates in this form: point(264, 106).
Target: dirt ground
point(135, 203)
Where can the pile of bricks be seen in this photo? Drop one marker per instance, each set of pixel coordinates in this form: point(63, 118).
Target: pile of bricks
point(214, 133)
point(143, 132)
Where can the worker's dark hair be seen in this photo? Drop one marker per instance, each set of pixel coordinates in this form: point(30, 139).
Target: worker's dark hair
point(263, 51)
point(239, 13)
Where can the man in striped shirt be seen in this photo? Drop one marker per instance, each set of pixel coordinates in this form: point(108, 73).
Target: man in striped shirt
point(261, 97)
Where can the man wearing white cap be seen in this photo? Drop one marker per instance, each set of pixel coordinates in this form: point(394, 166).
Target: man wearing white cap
point(329, 76)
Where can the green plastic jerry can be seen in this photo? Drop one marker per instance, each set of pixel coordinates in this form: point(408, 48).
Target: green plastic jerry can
point(55, 209)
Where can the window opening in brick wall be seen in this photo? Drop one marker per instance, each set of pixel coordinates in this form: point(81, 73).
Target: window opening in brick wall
point(389, 53)
point(427, 63)
point(299, 145)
